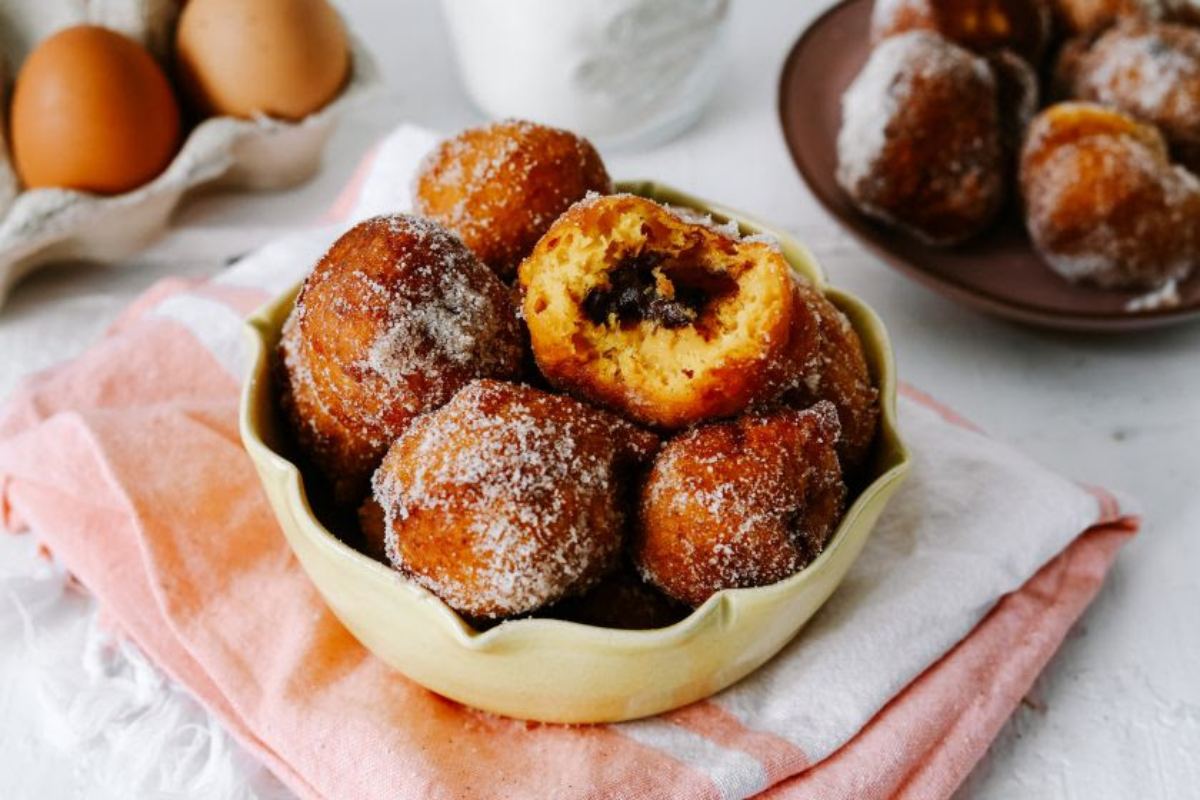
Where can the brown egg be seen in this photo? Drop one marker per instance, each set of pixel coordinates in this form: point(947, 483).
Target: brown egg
point(282, 58)
point(92, 110)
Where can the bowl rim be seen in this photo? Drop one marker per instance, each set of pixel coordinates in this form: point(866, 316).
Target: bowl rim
point(263, 327)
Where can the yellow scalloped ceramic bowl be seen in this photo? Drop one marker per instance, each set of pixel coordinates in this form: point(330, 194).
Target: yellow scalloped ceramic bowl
point(552, 670)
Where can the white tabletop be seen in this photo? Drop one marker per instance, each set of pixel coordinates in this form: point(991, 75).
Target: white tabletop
point(1117, 712)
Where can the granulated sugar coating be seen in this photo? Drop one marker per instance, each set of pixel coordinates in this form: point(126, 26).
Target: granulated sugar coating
point(1152, 72)
point(500, 186)
point(345, 459)
point(509, 498)
point(741, 503)
point(1104, 203)
point(396, 317)
point(840, 375)
point(920, 146)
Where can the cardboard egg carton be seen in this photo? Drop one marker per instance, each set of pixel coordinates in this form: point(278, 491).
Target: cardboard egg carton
point(43, 226)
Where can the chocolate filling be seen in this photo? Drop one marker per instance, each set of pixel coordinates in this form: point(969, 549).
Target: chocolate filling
point(633, 293)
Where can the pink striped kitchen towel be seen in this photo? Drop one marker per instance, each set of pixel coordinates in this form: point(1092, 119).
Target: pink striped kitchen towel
point(127, 463)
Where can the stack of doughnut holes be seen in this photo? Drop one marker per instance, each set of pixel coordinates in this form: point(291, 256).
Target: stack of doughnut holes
point(538, 396)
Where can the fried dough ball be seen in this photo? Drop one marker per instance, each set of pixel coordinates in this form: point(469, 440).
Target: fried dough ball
point(1091, 16)
point(343, 458)
point(1151, 71)
point(667, 320)
point(621, 600)
point(394, 318)
point(1022, 26)
point(840, 375)
point(1104, 203)
point(921, 144)
point(742, 503)
point(508, 498)
point(502, 185)
point(1012, 35)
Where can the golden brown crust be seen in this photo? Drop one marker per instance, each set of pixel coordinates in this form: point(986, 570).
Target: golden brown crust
point(345, 460)
point(741, 503)
point(1151, 71)
point(502, 185)
point(921, 144)
point(508, 498)
point(840, 375)
point(1022, 26)
point(1092, 16)
point(1104, 203)
point(665, 320)
point(1070, 123)
point(393, 319)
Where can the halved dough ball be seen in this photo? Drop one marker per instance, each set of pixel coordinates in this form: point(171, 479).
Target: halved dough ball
point(666, 320)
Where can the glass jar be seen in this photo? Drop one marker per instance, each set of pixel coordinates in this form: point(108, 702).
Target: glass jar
point(624, 73)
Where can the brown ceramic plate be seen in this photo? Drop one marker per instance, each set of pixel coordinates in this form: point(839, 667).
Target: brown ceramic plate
point(999, 272)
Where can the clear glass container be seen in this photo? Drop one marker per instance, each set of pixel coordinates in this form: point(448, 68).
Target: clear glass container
point(624, 73)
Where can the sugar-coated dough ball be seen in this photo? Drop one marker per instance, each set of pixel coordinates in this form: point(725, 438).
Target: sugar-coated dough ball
point(1104, 203)
point(340, 453)
point(742, 503)
point(502, 185)
point(840, 375)
point(1153, 72)
point(508, 498)
point(395, 317)
point(921, 143)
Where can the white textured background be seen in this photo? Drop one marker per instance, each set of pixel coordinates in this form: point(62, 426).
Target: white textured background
point(1116, 715)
